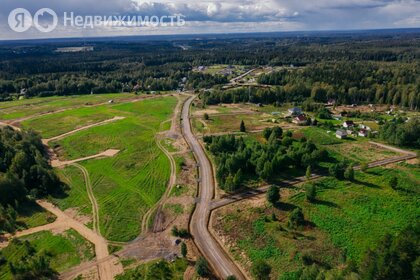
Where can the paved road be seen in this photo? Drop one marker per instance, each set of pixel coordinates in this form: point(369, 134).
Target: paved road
point(207, 245)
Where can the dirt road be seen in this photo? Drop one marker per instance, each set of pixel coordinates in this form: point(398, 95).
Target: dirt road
point(108, 267)
point(95, 207)
point(208, 246)
point(107, 153)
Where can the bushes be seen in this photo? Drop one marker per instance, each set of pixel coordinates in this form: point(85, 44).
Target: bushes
point(273, 194)
point(261, 270)
point(182, 233)
point(396, 257)
point(202, 267)
point(30, 265)
point(296, 218)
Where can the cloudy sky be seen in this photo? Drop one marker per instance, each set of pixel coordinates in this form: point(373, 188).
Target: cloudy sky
point(225, 16)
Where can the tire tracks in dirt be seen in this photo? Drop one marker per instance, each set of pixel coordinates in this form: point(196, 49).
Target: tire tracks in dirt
point(157, 225)
point(92, 198)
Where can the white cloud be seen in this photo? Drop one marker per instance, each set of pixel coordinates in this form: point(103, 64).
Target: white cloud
point(213, 9)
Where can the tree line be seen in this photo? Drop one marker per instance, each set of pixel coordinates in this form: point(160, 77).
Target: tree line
point(24, 173)
point(161, 65)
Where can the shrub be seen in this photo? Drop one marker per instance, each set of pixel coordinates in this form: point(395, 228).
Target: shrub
point(273, 194)
point(202, 267)
point(261, 270)
point(296, 218)
point(310, 191)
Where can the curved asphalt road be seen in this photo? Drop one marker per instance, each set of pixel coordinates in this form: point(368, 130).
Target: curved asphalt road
point(207, 245)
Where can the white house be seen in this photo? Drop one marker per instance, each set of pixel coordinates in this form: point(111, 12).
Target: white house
point(341, 133)
point(348, 124)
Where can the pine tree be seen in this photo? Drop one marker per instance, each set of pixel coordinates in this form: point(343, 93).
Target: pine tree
point(349, 173)
point(308, 172)
point(273, 194)
point(242, 127)
point(310, 191)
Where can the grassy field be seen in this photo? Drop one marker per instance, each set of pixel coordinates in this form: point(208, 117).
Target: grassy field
point(76, 196)
point(65, 250)
point(231, 123)
point(346, 220)
point(127, 185)
point(23, 108)
point(59, 123)
point(355, 149)
point(32, 215)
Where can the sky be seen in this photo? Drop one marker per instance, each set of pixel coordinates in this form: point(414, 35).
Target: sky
point(224, 16)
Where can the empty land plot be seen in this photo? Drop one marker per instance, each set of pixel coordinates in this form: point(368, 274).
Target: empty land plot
point(23, 108)
point(231, 123)
point(346, 219)
point(130, 183)
point(62, 122)
point(358, 214)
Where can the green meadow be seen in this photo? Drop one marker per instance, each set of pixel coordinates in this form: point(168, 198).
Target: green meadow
point(126, 185)
point(23, 108)
point(346, 219)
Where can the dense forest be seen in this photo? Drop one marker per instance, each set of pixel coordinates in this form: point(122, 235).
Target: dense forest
point(344, 82)
point(360, 67)
point(24, 173)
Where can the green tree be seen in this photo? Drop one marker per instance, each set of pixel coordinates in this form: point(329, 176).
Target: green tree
point(160, 271)
point(202, 267)
point(310, 191)
point(231, 277)
point(278, 131)
point(184, 250)
point(395, 257)
point(296, 218)
point(267, 171)
point(267, 133)
point(308, 172)
point(175, 231)
point(242, 128)
point(237, 179)
point(349, 173)
point(229, 184)
point(273, 194)
point(261, 270)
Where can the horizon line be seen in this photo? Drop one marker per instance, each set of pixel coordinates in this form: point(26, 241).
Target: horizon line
point(110, 37)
